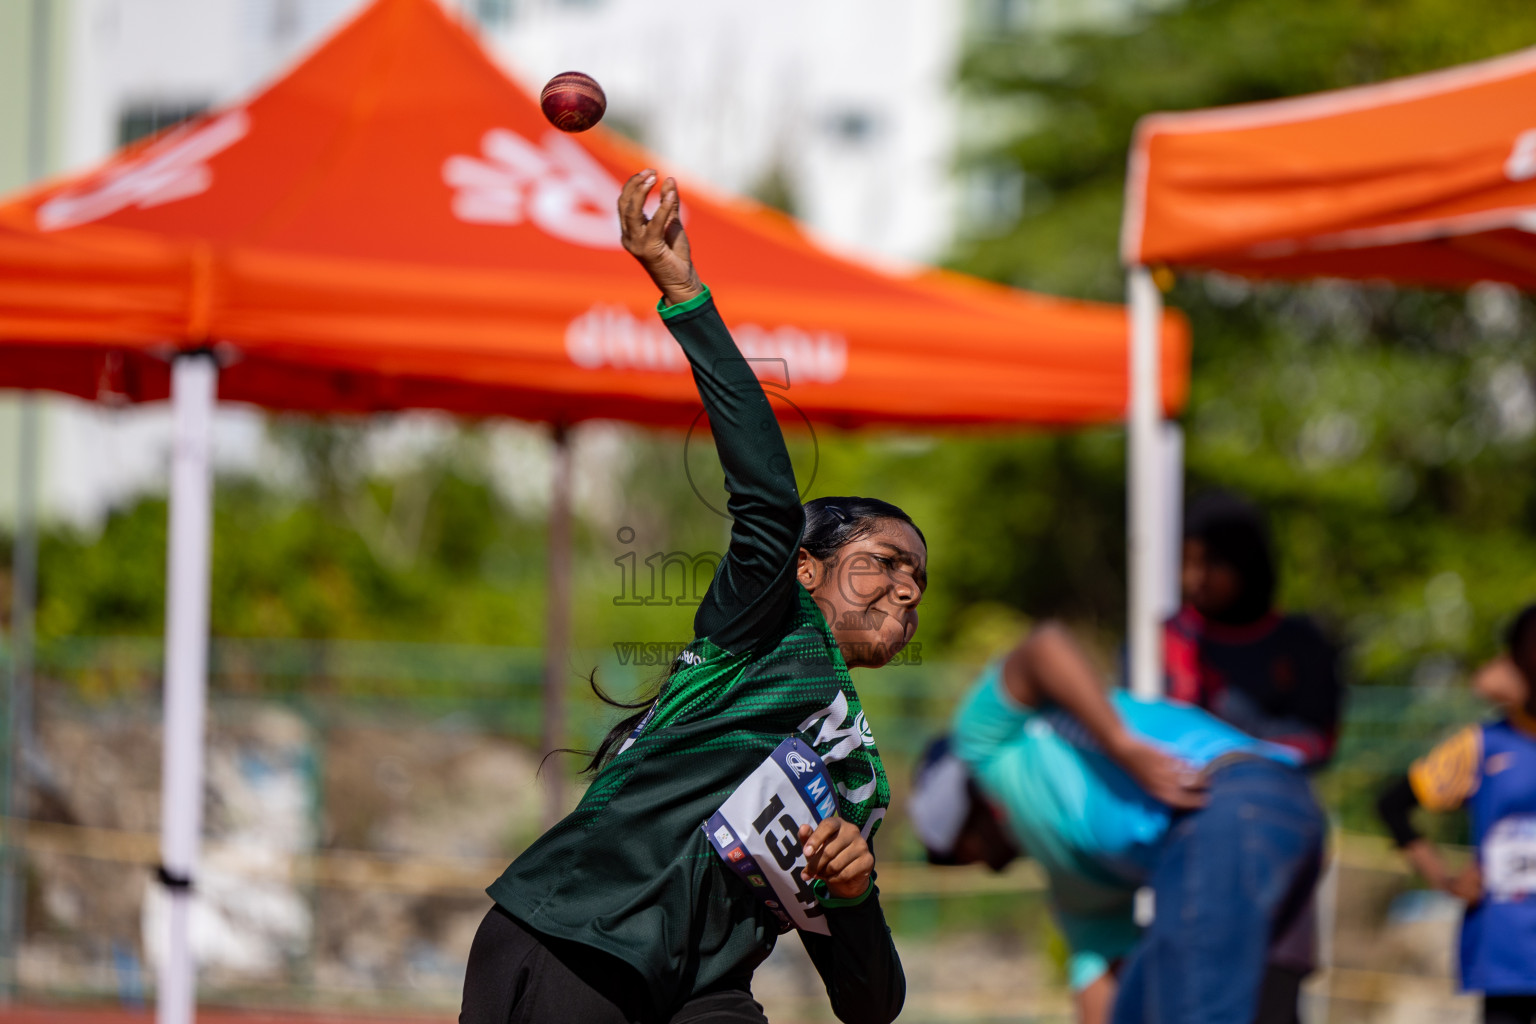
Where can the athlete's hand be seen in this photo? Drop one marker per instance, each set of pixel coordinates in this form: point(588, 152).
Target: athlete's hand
point(1500, 682)
point(839, 856)
point(1467, 886)
point(658, 242)
point(1164, 777)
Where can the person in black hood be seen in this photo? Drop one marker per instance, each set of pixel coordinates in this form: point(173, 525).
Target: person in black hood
point(1275, 676)
point(1231, 652)
point(1229, 560)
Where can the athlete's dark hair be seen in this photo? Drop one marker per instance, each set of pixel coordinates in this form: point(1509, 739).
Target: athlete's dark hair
point(830, 523)
point(1520, 640)
point(1235, 534)
point(609, 747)
point(1518, 635)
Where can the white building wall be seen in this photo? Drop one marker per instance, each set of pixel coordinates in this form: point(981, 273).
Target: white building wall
point(850, 100)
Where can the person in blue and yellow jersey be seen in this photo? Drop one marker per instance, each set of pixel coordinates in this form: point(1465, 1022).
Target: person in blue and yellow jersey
point(1490, 770)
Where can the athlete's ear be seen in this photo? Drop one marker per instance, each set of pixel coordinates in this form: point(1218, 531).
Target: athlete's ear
point(807, 569)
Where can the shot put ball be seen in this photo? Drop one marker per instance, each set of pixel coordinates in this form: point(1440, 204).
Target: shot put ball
point(573, 102)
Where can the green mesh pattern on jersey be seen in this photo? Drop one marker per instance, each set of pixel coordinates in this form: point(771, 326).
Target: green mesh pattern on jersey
point(684, 691)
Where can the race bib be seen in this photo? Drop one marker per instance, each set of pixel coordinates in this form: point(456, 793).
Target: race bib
point(1509, 857)
point(757, 831)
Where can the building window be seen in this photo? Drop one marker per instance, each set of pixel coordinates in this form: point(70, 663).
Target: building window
point(285, 20)
point(140, 119)
point(853, 127)
point(493, 13)
point(993, 197)
point(1002, 15)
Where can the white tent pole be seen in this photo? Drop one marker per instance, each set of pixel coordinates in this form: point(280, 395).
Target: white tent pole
point(1327, 898)
point(557, 631)
point(1170, 527)
point(1143, 464)
point(194, 378)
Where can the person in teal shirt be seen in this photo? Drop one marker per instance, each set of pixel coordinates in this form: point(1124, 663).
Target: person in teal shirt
point(1110, 793)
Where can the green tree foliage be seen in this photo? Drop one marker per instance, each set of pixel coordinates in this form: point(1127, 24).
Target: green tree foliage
point(286, 566)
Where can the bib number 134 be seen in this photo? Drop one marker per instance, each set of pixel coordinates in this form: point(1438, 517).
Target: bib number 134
point(757, 831)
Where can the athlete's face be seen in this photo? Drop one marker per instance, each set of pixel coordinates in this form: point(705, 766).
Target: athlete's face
point(1525, 662)
point(1211, 586)
point(869, 591)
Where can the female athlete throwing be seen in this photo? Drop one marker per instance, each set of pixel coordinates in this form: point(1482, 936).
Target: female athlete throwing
point(627, 911)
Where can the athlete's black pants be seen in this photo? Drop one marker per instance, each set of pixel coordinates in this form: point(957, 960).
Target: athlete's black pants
point(1509, 1009)
point(1280, 995)
point(517, 976)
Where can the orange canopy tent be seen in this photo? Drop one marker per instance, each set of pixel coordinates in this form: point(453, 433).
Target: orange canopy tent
point(394, 225)
point(1427, 180)
point(1424, 180)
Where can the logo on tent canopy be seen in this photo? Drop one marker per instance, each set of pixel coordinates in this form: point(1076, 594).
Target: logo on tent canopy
point(1521, 165)
point(556, 186)
point(174, 168)
point(612, 336)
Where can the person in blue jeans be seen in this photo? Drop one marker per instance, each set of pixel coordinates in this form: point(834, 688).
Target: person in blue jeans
point(1110, 793)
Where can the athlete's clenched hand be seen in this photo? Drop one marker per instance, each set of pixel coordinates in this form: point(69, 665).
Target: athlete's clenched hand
point(1163, 776)
point(1468, 885)
point(658, 242)
point(839, 856)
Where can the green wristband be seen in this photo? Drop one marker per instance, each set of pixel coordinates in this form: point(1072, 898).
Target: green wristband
point(668, 312)
point(825, 898)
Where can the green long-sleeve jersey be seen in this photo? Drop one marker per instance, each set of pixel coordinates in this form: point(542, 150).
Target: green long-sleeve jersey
point(629, 871)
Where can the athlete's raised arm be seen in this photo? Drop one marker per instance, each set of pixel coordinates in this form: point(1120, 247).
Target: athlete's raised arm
point(756, 579)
